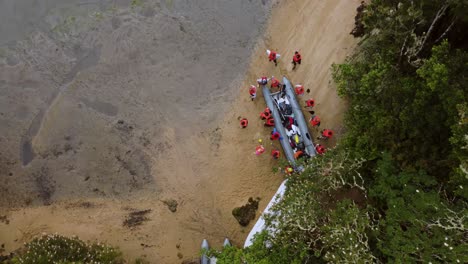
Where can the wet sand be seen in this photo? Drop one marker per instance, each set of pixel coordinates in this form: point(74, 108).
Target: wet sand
point(143, 125)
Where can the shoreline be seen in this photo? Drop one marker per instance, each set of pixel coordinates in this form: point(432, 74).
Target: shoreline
point(229, 173)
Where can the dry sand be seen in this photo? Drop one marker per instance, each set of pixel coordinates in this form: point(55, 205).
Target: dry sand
point(180, 137)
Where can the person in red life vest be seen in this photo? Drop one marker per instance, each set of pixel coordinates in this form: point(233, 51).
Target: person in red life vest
point(275, 134)
point(260, 148)
point(296, 59)
point(290, 123)
point(326, 134)
point(298, 154)
point(314, 121)
point(270, 122)
point(299, 89)
point(320, 149)
point(244, 122)
point(265, 114)
point(274, 82)
point(262, 80)
point(310, 103)
point(275, 153)
point(288, 170)
point(253, 92)
point(273, 56)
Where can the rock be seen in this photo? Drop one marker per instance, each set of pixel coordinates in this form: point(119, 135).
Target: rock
point(246, 213)
point(171, 204)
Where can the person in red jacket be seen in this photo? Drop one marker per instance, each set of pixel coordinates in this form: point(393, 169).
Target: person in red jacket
point(299, 89)
point(265, 114)
point(296, 59)
point(298, 154)
point(253, 92)
point(275, 153)
point(270, 122)
point(244, 122)
point(326, 134)
point(273, 56)
point(320, 149)
point(314, 121)
point(275, 134)
point(262, 80)
point(274, 82)
point(310, 103)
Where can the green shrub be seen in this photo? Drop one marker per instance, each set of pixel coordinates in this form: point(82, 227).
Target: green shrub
point(60, 249)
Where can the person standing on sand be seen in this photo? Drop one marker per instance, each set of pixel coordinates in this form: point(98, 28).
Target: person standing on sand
point(296, 59)
point(273, 56)
point(275, 83)
point(253, 92)
point(262, 81)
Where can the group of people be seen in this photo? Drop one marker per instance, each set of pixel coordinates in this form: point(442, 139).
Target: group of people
point(286, 116)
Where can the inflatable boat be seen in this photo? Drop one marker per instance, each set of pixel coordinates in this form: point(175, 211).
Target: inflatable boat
point(290, 123)
point(299, 116)
point(272, 104)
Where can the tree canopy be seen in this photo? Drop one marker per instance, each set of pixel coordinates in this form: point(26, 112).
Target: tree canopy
point(395, 188)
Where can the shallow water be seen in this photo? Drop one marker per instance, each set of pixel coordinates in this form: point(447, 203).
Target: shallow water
point(18, 18)
point(71, 69)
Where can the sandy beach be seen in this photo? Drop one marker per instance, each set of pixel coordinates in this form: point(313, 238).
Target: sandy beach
point(119, 107)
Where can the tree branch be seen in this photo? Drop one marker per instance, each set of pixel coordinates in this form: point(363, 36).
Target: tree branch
point(439, 14)
point(446, 31)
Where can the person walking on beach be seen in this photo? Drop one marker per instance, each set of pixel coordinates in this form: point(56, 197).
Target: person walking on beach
point(273, 56)
point(253, 92)
point(296, 59)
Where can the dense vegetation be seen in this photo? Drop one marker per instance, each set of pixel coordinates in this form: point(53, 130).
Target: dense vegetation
point(60, 249)
point(395, 188)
